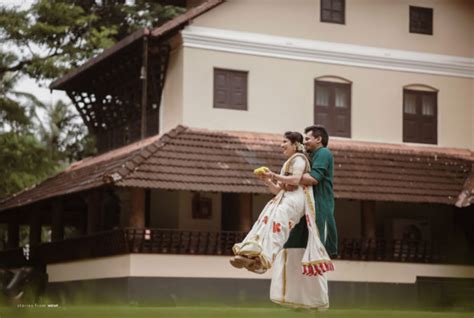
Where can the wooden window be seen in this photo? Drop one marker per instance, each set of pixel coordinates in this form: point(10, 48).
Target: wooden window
point(332, 107)
point(333, 11)
point(202, 207)
point(421, 20)
point(230, 89)
point(420, 117)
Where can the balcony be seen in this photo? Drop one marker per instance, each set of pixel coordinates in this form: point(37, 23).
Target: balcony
point(165, 241)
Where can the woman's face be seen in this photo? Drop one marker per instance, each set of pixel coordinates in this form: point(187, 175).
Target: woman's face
point(288, 148)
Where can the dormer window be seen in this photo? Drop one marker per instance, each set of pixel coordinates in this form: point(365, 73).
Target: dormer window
point(421, 20)
point(333, 11)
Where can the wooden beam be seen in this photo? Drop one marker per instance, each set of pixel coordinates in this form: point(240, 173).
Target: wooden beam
point(66, 80)
point(13, 232)
point(144, 78)
point(35, 227)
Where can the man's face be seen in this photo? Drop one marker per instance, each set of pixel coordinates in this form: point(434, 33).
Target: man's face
point(310, 142)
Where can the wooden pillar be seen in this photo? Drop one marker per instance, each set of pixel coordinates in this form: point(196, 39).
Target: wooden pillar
point(144, 78)
point(368, 219)
point(13, 232)
point(94, 203)
point(57, 220)
point(245, 211)
point(136, 216)
point(83, 222)
point(35, 227)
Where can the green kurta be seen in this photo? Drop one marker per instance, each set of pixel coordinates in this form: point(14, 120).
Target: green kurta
point(322, 169)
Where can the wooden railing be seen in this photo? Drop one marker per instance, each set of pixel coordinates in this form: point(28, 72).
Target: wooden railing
point(390, 251)
point(96, 245)
point(162, 241)
point(182, 242)
point(12, 258)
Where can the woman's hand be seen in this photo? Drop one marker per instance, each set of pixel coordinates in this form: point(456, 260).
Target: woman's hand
point(268, 179)
point(268, 174)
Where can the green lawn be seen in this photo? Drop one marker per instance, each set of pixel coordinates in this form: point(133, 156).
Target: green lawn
point(208, 311)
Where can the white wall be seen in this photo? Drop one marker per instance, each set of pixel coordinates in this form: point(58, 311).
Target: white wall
point(281, 97)
point(173, 210)
point(162, 265)
point(377, 23)
point(172, 97)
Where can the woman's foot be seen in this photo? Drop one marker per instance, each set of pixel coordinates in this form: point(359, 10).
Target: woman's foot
point(240, 261)
point(256, 267)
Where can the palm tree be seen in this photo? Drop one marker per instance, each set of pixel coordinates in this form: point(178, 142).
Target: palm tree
point(63, 133)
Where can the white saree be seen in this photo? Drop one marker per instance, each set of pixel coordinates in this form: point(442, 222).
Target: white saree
point(298, 274)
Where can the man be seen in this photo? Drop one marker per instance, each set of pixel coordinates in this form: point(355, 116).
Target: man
point(321, 178)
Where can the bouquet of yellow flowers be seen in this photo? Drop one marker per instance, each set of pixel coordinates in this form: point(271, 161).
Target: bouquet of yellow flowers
point(261, 170)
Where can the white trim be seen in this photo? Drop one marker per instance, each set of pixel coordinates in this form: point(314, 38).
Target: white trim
point(326, 52)
point(205, 266)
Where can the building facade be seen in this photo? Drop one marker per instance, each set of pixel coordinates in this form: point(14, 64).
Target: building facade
point(183, 113)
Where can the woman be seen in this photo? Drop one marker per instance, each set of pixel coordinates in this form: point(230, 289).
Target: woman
point(262, 247)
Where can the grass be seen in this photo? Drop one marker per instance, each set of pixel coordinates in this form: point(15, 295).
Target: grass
point(56, 311)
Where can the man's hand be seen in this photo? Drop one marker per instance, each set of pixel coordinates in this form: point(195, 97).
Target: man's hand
point(289, 187)
point(308, 180)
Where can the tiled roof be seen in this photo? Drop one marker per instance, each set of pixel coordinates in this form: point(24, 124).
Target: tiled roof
point(223, 161)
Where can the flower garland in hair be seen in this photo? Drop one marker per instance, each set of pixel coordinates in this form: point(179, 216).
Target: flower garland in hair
point(300, 147)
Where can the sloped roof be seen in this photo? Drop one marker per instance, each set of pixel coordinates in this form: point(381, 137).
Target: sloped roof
point(223, 161)
point(157, 33)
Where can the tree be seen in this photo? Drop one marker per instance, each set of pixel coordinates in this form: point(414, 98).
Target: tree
point(23, 158)
point(54, 36)
point(64, 135)
point(43, 42)
point(24, 162)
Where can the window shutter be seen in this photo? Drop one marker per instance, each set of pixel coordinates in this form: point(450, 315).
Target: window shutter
point(333, 11)
point(221, 89)
point(230, 89)
point(342, 110)
point(421, 20)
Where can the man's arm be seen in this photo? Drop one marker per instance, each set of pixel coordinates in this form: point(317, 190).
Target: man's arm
point(320, 165)
point(274, 188)
point(291, 180)
point(308, 180)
